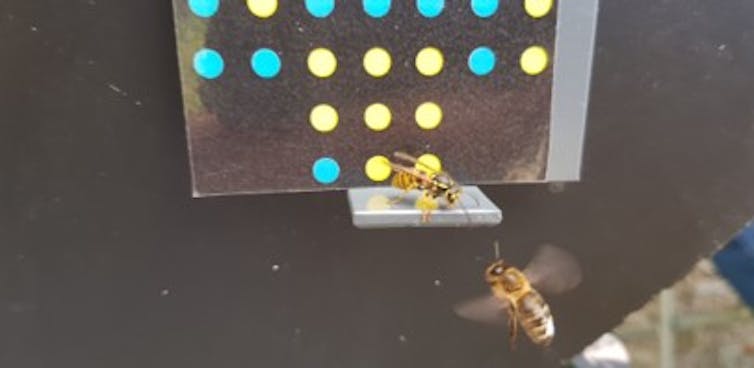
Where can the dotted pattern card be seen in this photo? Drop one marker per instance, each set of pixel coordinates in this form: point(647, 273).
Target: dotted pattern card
point(304, 95)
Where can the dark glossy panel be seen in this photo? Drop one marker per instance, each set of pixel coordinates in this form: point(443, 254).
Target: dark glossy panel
point(106, 261)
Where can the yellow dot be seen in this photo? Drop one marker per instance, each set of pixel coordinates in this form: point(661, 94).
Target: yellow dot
point(324, 118)
point(378, 117)
point(538, 8)
point(377, 62)
point(534, 60)
point(378, 168)
point(322, 62)
point(428, 115)
point(429, 163)
point(429, 61)
point(262, 8)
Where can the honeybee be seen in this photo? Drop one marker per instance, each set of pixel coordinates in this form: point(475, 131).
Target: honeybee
point(432, 182)
point(515, 293)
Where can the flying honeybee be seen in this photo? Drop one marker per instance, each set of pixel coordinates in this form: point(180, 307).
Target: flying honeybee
point(432, 182)
point(515, 293)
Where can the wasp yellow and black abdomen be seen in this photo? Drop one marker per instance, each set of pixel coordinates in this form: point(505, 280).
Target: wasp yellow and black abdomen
point(404, 181)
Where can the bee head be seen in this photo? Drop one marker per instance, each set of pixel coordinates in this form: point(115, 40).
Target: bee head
point(495, 271)
point(496, 275)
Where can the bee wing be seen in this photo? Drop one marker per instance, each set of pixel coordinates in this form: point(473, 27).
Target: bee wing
point(486, 309)
point(553, 270)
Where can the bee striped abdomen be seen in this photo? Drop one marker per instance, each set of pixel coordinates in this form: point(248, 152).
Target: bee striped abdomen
point(536, 318)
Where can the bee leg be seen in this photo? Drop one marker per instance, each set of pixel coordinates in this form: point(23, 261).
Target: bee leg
point(512, 327)
point(426, 204)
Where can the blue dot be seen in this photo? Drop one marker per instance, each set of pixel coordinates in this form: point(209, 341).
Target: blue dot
point(266, 63)
point(204, 8)
point(320, 8)
point(430, 8)
point(376, 8)
point(484, 8)
point(482, 60)
point(326, 170)
point(208, 63)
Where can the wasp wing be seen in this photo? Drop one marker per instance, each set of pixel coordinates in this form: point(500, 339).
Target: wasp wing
point(429, 170)
point(553, 270)
point(485, 309)
point(411, 171)
point(408, 158)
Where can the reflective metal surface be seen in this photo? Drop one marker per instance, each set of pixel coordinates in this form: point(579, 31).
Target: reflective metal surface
point(376, 207)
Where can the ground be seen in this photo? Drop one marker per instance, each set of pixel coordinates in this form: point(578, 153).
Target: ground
point(712, 327)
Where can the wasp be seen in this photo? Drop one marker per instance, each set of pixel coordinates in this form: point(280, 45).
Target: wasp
point(515, 294)
point(433, 183)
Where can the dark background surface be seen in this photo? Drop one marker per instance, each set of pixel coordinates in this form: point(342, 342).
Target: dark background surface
point(106, 261)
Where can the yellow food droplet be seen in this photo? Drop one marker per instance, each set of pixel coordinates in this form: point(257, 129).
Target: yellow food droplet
point(429, 163)
point(324, 118)
point(538, 8)
point(378, 202)
point(428, 115)
point(322, 62)
point(377, 62)
point(377, 117)
point(534, 60)
point(426, 203)
point(262, 8)
point(378, 168)
point(429, 61)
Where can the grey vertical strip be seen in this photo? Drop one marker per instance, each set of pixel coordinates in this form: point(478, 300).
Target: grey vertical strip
point(574, 52)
